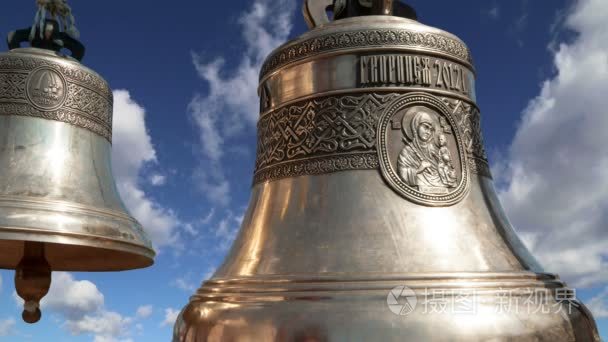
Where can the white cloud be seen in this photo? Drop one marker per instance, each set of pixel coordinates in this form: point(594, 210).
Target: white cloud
point(599, 305)
point(209, 273)
point(185, 283)
point(131, 141)
point(7, 326)
point(189, 228)
point(493, 12)
point(109, 326)
point(556, 174)
point(105, 326)
point(192, 228)
point(231, 104)
point(160, 223)
point(521, 22)
point(132, 150)
point(518, 26)
point(213, 183)
point(99, 338)
point(82, 306)
point(144, 311)
point(227, 229)
point(72, 298)
point(170, 317)
point(157, 179)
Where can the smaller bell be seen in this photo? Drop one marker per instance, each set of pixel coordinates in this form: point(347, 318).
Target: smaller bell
point(59, 206)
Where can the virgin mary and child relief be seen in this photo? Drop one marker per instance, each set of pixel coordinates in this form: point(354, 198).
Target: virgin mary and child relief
point(425, 163)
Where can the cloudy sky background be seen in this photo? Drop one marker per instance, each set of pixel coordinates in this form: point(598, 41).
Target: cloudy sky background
point(185, 78)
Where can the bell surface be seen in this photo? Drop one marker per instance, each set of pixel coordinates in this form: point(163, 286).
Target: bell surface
point(373, 215)
point(56, 187)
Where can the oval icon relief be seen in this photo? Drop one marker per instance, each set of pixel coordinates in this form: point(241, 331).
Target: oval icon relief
point(46, 89)
point(421, 152)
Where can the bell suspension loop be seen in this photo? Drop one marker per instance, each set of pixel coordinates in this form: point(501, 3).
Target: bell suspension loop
point(316, 11)
point(60, 11)
point(54, 28)
point(383, 7)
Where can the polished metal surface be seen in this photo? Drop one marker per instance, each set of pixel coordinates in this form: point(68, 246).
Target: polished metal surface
point(57, 185)
point(373, 214)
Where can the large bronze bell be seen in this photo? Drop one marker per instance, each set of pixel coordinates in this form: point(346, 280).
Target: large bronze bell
point(59, 207)
point(373, 215)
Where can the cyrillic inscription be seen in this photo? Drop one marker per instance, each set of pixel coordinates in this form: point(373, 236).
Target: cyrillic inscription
point(409, 70)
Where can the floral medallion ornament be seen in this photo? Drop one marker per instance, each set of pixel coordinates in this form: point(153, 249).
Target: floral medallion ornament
point(420, 151)
point(46, 89)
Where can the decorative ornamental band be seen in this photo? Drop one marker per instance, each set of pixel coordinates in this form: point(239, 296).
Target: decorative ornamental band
point(61, 91)
point(365, 39)
point(339, 133)
point(319, 165)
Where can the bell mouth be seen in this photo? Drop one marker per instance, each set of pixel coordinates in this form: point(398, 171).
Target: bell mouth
point(76, 238)
point(78, 253)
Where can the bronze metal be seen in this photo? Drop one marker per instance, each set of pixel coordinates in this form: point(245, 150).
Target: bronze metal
point(59, 206)
point(314, 12)
point(383, 7)
point(373, 213)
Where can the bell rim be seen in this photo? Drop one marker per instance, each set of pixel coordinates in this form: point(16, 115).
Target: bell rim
point(42, 232)
point(268, 288)
point(112, 234)
point(145, 256)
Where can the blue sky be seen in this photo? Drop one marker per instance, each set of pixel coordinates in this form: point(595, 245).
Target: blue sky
point(184, 141)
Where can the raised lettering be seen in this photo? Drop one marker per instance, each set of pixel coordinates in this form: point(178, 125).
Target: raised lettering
point(400, 69)
point(418, 70)
point(439, 83)
point(364, 70)
point(410, 70)
point(458, 78)
point(426, 71)
point(392, 74)
point(452, 84)
point(374, 69)
point(446, 75)
point(384, 70)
